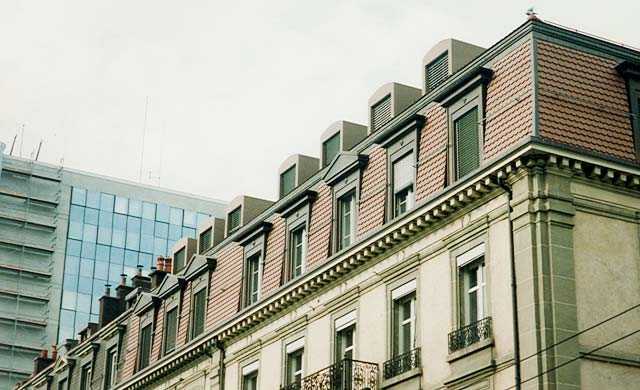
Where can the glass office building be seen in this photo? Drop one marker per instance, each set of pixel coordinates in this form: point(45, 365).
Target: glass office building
point(110, 235)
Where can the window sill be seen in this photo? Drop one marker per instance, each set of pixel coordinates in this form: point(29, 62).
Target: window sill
point(405, 376)
point(473, 348)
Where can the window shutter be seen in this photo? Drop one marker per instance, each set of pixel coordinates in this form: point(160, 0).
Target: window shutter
point(234, 220)
point(178, 262)
point(403, 172)
point(330, 149)
point(381, 113)
point(436, 72)
point(467, 143)
point(287, 181)
point(205, 240)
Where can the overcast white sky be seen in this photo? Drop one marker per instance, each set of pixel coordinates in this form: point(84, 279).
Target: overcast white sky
point(233, 87)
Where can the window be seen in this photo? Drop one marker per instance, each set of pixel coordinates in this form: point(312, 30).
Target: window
point(287, 181)
point(85, 377)
point(205, 240)
point(345, 344)
point(436, 72)
point(62, 384)
point(294, 366)
point(467, 143)
point(233, 221)
point(381, 113)
point(472, 284)
point(330, 149)
point(252, 279)
point(111, 367)
point(403, 178)
point(297, 251)
point(403, 318)
point(346, 220)
point(179, 260)
point(170, 330)
point(144, 345)
point(250, 376)
point(198, 310)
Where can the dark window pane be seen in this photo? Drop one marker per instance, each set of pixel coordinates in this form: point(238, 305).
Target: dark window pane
point(205, 240)
point(467, 143)
point(287, 181)
point(330, 149)
point(234, 221)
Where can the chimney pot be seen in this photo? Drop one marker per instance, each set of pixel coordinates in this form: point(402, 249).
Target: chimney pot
point(54, 352)
point(123, 279)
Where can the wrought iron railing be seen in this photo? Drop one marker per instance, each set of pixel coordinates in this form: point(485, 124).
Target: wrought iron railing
point(402, 363)
point(470, 334)
point(347, 374)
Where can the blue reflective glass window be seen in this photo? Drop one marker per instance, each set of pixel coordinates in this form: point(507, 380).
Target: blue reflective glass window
point(160, 247)
point(78, 196)
point(144, 259)
point(117, 238)
point(102, 253)
point(175, 217)
point(71, 265)
point(84, 302)
point(68, 300)
point(70, 282)
point(90, 233)
point(188, 232)
point(162, 230)
point(86, 268)
point(93, 199)
point(146, 243)
point(75, 230)
point(162, 213)
point(147, 227)
point(67, 317)
point(175, 232)
point(81, 320)
point(74, 247)
point(106, 202)
point(114, 273)
point(133, 241)
point(117, 256)
point(101, 270)
point(148, 210)
point(119, 222)
point(122, 205)
point(202, 218)
point(130, 272)
point(76, 213)
point(106, 219)
point(91, 216)
point(135, 208)
point(130, 258)
point(95, 305)
point(94, 318)
point(89, 250)
point(170, 245)
point(104, 235)
point(133, 225)
point(190, 219)
point(98, 287)
point(85, 285)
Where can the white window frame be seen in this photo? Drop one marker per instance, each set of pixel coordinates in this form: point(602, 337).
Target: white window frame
point(463, 262)
point(397, 294)
point(291, 348)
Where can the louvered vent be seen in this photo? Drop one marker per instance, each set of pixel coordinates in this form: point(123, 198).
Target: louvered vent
point(234, 220)
point(381, 113)
point(467, 143)
point(436, 72)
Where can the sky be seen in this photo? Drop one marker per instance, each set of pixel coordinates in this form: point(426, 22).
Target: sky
point(210, 97)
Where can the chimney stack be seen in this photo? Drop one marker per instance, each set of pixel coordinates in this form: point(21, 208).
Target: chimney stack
point(140, 281)
point(110, 307)
point(157, 274)
point(41, 362)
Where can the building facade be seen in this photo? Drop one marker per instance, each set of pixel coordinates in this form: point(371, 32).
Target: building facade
point(64, 234)
point(481, 234)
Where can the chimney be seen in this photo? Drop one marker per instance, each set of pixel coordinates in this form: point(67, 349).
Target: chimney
point(158, 273)
point(140, 281)
point(110, 307)
point(89, 330)
point(123, 290)
point(41, 362)
point(168, 265)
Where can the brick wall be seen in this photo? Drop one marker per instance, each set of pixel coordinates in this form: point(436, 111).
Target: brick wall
point(320, 228)
point(185, 315)
point(583, 101)
point(131, 347)
point(373, 190)
point(432, 156)
point(275, 256)
point(225, 286)
point(158, 335)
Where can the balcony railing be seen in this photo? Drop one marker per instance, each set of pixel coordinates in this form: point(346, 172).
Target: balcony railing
point(402, 363)
point(470, 334)
point(345, 375)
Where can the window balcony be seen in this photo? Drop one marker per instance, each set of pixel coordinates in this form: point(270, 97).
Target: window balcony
point(401, 364)
point(345, 375)
point(470, 334)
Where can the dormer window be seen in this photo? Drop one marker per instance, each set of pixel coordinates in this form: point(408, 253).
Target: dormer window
point(466, 142)
point(179, 260)
point(403, 183)
point(287, 181)
point(381, 113)
point(631, 72)
point(205, 240)
point(330, 149)
point(436, 72)
point(234, 220)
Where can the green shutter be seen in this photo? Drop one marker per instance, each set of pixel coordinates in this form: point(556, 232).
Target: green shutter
point(205, 240)
point(170, 330)
point(288, 181)
point(330, 149)
point(467, 143)
point(178, 261)
point(436, 72)
point(234, 220)
point(198, 312)
point(145, 346)
point(381, 113)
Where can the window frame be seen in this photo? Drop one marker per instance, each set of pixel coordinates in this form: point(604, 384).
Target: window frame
point(462, 105)
point(299, 219)
point(466, 257)
point(183, 252)
point(168, 310)
point(86, 372)
point(111, 367)
point(231, 229)
point(399, 149)
point(326, 161)
point(249, 370)
point(254, 248)
point(295, 347)
point(209, 232)
point(405, 288)
point(199, 285)
point(293, 171)
point(139, 361)
point(349, 184)
point(347, 320)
